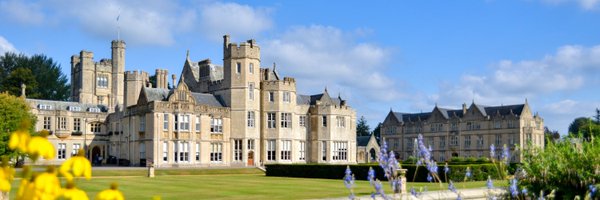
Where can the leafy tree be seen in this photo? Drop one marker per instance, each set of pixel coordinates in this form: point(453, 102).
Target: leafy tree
point(14, 114)
point(49, 82)
point(597, 116)
point(362, 128)
point(584, 126)
point(377, 130)
point(551, 135)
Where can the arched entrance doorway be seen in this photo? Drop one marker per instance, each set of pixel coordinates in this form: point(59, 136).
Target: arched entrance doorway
point(251, 158)
point(95, 155)
point(372, 155)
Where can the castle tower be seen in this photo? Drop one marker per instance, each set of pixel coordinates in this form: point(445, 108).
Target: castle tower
point(134, 81)
point(87, 78)
point(118, 68)
point(241, 80)
point(75, 77)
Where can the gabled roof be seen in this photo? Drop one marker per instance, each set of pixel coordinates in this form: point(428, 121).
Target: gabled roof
point(312, 99)
point(449, 113)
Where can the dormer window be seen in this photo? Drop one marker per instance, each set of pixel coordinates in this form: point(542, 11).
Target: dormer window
point(75, 108)
point(44, 107)
point(93, 109)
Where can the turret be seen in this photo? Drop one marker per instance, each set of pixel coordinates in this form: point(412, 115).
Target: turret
point(118, 67)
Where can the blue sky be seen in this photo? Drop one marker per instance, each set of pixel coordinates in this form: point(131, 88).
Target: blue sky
point(403, 55)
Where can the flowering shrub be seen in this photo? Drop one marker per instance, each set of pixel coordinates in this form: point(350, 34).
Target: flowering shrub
point(570, 168)
point(46, 185)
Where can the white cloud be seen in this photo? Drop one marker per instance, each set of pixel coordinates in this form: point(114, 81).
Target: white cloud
point(22, 12)
point(240, 21)
point(559, 115)
point(6, 46)
point(143, 22)
point(547, 82)
point(585, 4)
point(327, 56)
point(154, 22)
point(567, 70)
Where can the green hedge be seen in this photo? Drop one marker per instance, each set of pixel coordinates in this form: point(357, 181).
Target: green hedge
point(457, 172)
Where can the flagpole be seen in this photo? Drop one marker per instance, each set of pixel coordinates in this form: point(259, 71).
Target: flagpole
point(119, 26)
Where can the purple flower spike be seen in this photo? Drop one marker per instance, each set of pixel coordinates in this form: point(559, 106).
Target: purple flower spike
point(513, 188)
point(451, 187)
point(490, 184)
point(505, 154)
point(492, 151)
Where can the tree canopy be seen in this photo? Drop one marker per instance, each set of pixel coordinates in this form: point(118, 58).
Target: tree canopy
point(362, 128)
point(584, 126)
point(14, 114)
point(39, 73)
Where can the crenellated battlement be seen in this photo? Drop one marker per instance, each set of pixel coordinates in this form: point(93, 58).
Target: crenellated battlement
point(215, 85)
point(248, 49)
point(105, 61)
point(86, 54)
point(285, 81)
point(136, 75)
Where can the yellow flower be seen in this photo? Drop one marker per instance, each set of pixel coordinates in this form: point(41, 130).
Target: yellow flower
point(110, 194)
point(19, 140)
point(47, 186)
point(73, 193)
point(26, 190)
point(79, 165)
point(7, 174)
point(40, 146)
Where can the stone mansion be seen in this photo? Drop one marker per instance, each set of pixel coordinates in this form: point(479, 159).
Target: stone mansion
point(237, 114)
point(466, 132)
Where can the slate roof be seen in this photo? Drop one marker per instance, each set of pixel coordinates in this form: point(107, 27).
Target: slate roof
point(302, 99)
point(156, 94)
point(160, 94)
point(64, 105)
point(505, 110)
point(362, 140)
point(207, 99)
point(312, 99)
point(448, 113)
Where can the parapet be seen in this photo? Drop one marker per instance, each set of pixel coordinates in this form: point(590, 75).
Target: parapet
point(243, 50)
point(136, 75)
point(118, 44)
point(86, 54)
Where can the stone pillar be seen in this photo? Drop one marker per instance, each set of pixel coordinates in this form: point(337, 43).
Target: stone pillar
point(403, 180)
point(151, 170)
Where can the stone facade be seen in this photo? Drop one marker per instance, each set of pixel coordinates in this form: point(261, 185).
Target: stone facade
point(238, 114)
point(466, 132)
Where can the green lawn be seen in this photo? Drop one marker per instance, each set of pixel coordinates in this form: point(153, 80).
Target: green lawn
point(227, 184)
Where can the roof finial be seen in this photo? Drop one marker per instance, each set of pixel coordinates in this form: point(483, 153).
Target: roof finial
point(526, 100)
point(187, 54)
point(326, 89)
point(274, 66)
